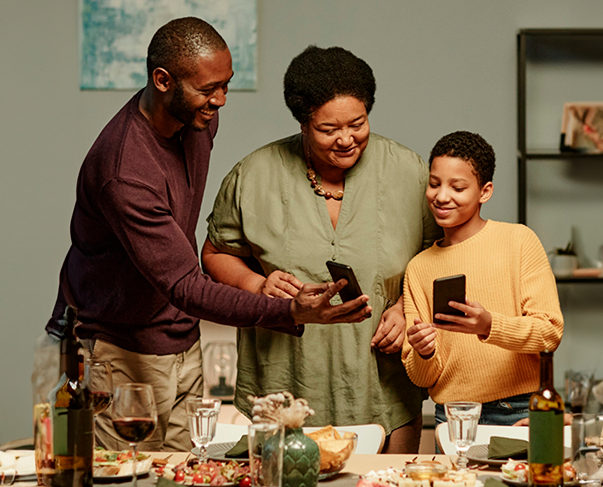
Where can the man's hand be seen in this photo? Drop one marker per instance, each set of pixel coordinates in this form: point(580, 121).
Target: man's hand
point(389, 336)
point(311, 305)
point(477, 320)
point(422, 337)
point(281, 285)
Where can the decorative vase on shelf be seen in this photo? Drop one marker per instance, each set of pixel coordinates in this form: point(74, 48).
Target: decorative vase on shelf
point(301, 459)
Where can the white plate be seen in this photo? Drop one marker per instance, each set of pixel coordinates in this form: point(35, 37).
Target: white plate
point(7, 461)
point(121, 476)
point(514, 483)
point(479, 454)
point(217, 451)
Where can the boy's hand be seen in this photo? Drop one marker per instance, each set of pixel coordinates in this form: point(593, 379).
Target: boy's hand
point(422, 337)
point(389, 336)
point(477, 320)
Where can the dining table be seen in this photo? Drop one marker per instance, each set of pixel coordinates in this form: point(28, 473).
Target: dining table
point(357, 465)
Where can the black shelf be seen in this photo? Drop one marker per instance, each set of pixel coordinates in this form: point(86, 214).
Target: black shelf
point(535, 154)
point(578, 280)
point(568, 43)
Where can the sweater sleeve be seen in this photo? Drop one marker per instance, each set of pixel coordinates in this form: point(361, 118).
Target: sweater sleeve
point(143, 223)
point(540, 325)
point(422, 372)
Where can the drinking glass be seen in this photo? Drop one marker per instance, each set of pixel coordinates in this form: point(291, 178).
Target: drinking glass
point(100, 382)
point(266, 442)
point(202, 416)
point(134, 416)
point(462, 426)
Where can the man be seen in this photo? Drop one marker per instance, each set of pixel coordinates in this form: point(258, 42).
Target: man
point(133, 268)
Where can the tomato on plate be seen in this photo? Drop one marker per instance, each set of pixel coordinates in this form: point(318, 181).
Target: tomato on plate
point(245, 481)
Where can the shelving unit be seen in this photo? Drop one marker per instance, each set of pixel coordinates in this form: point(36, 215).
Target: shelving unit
point(563, 52)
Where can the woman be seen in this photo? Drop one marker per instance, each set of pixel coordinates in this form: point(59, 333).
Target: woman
point(333, 192)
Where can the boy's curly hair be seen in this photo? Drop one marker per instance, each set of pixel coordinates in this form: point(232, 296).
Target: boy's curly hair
point(469, 147)
point(317, 76)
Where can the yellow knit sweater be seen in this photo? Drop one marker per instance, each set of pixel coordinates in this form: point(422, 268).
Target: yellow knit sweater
point(509, 275)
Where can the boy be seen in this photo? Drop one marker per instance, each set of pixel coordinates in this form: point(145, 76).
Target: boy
point(490, 355)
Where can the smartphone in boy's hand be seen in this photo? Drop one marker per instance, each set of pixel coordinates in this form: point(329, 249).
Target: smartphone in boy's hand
point(445, 289)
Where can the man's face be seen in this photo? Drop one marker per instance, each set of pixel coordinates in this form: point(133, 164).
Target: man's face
point(196, 99)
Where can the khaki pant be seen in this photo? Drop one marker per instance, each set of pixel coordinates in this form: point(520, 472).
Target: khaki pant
point(173, 377)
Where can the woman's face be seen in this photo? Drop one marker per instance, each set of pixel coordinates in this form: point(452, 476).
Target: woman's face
point(338, 133)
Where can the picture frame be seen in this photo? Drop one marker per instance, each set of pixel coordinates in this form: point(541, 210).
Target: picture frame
point(582, 127)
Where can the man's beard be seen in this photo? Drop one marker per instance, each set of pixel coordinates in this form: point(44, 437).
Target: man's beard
point(180, 109)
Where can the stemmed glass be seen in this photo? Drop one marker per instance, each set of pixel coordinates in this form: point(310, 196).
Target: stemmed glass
point(99, 378)
point(463, 418)
point(134, 416)
point(202, 418)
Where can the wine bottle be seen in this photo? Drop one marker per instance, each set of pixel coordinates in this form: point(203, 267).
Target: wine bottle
point(546, 452)
point(72, 416)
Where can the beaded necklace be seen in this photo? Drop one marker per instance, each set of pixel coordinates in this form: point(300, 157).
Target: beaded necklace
point(318, 189)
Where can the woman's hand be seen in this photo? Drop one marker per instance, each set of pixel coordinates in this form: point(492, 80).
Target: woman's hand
point(280, 285)
point(422, 337)
point(389, 336)
point(477, 320)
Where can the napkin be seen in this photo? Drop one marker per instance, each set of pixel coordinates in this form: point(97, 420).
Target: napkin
point(240, 450)
point(502, 448)
point(163, 482)
point(490, 482)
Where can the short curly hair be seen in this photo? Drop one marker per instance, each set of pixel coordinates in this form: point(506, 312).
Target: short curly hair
point(471, 148)
point(317, 76)
point(177, 45)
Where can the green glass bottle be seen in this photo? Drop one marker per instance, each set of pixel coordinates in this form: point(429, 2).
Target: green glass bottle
point(546, 452)
point(72, 416)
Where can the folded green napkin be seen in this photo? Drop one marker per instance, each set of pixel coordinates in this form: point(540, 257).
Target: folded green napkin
point(490, 482)
point(240, 450)
point(502, 448)
point(163, 482)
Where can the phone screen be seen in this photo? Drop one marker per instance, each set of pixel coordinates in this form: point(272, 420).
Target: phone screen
point(447, 289)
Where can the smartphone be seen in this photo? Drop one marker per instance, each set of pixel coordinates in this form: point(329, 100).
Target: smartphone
point(445, 289)
point(342, 271)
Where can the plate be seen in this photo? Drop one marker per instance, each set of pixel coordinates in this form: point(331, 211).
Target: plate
point(7, 461)
point(217, 451)
point(479, 454)
point(514, 483)
point(111, 478)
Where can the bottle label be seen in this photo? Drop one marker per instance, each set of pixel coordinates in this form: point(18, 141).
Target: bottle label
point(546, 437)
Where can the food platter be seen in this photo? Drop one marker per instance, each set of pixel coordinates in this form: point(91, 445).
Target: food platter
point(217, 451)
point(112, 465)
point(513, 482)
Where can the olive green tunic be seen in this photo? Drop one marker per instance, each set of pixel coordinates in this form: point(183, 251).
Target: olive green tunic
point(266, 209)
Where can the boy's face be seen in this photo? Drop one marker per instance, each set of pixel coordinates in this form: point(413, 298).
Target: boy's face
point(454, 194)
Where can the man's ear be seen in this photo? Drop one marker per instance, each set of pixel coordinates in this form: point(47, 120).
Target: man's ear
point(162, 79)
point(486, 192)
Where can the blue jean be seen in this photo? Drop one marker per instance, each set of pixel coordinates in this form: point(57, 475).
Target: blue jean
point(502, 411)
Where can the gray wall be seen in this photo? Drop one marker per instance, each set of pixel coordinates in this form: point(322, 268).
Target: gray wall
point(441, 65)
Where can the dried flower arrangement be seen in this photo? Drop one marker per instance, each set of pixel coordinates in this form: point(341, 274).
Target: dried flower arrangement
point(280, 408)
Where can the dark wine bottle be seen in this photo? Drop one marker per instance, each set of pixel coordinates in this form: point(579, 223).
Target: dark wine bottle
point(546, 452)
point(72, 416)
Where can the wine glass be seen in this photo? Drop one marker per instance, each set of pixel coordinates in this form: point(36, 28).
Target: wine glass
point(202, 418)
point(99, 378)
point(463, 418)
point(134, 416)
